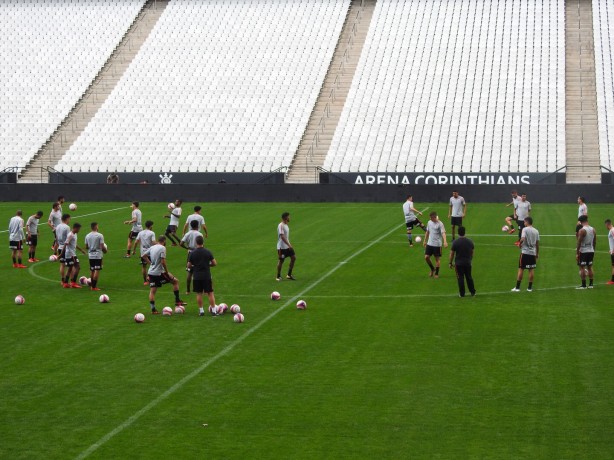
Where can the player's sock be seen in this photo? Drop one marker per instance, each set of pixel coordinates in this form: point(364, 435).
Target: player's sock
point(590, 282)
point(94, 283)
point(430, 264)
point(437, 270)
point(278, 274)
point(409, 238)
point(19, 260)
point(530, 285)
point(177, 299)
point(583, 283)
point(14, 260)
point(67, 279)
point(613, 278)
point(34, 254)
point(517, 284)
point(152, 305)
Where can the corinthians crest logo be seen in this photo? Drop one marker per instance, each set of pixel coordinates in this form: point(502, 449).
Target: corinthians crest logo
point(166, 178)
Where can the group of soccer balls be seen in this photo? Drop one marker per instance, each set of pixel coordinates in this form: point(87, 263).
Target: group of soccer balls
point(217, 310)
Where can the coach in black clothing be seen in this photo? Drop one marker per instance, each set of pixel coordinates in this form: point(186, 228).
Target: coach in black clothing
point(463, 249)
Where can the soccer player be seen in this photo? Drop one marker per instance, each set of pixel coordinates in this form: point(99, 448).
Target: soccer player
point(60, 202)
point(509, 220)
point(135, 221)
point(171, 229)
point(70, 258)
point(456, 212)
point(55, 219)
point(529, 252)
point(146, 238)
point(284, 248)
point(434, 238)
point(201, 222)
point(94, 243)
point(522, 210)
point(189, 242)
point(582, 211)
point(200, 262)
point(16, 239)
point(462, 249)
point(32, 235)
point(159, 274)
point(585, 252)
point(608, 224)
point(411, 220)
point(61, 232)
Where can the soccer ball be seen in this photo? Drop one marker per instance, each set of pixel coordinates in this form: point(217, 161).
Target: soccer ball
point(235, 309)
point(53, 258)
point(72, 206)
point(171, 206)
point(167, 311)
point(222, 308)
point(213, 310)
point(301, 304)
point(179, 310)
point(275, 295)
point(418, 239)
point(83, 281)
point(20, 300)
point(238, 318)
point(505, 228)
point(104, 298)
point(139, 317)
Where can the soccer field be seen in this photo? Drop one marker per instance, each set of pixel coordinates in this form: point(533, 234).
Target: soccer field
point(385, 362)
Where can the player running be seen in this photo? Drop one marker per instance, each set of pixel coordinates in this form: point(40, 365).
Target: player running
point(200, 262)
point(146, 238)
point(509, 220)
point(16, 237)
point(201, 222)
point(189, 242)
point(284, 248)
point(171, 229)
point(529, 252)
point(159, 274)
point(70, 258)
point(411, 220)
point(456, 212)
point(434, 238)
point(32, 235)
point(585, 252)
point(608, 225)
point(94, 243)
point(135, 221)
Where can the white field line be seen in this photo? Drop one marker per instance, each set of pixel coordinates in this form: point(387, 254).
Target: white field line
point(133, 418)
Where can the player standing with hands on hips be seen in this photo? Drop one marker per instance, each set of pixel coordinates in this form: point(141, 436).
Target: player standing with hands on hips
point(585, 251)
point(529, 252)
point(284, 248)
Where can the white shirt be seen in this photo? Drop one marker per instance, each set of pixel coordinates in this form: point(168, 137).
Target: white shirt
point(436, 231)
point(529, 244)
point(147, 239)
point(16, 229)
point(407, 210)
point(523, 208)
point(283, 229)
point(197, 217)
point(94, 242)
point(156, 253)
point(61, 233)
point(190, 238)
point(137, 216)
point(582, 210)
point(457, 206)
point(55, 218)
point(611, 240)
point(175, 215)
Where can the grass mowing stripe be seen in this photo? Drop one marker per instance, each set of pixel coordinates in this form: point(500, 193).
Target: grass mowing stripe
point(224, 351)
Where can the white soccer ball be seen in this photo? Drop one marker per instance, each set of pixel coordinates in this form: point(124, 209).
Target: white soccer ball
point(418, 239)
point(222, 308)
point(235, 309)
point(171, 206)
point(104, 298)
point(213, 309)
point(20, 300)
point(53, 258)
point(139, 317)
point(179, 310)
point(301, 305)
point(275, 295)
point(238, 318)
point(72, 206)
point(167, 311)
point(83, 281)
point(505, 228)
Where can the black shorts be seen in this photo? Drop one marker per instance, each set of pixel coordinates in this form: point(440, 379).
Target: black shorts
point(132, 235)
point(527, 261)
point(32, 240)
point(159, 280)
point(586, 259)
point(71, 261)
point(413, 223)
point(432, 251)
point(144, 261)
point(16, 245)
point(457, 221)
point(95, 265)
point(283, 253)
point(171, 228)
point(199, 286)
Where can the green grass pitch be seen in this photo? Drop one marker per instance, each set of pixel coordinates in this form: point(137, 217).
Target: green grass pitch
point(384, 363)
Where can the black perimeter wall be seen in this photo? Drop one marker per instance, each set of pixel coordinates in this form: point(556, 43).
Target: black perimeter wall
point(300, 192)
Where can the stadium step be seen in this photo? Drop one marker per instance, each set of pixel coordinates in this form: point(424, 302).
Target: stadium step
point(96, 94)
point(324, 118)
point(581, 131)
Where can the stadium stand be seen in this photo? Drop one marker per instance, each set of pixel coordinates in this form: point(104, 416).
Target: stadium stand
point(50, 53)
point(603, 26)
point(457, 87)
point(217, 86)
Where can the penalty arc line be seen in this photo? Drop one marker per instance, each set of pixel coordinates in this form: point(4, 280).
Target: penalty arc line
point(231, 346)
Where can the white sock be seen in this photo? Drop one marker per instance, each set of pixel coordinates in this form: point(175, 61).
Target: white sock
point(202, 310)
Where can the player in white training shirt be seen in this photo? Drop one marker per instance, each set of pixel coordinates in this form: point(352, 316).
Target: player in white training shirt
point(284, 248)
point(55, 219)
point(32, 235)
point(189, 242)
point(529, 252)
point(135, 221)
point(197, 216)
point(146, 239)
point(434, 239)
point(94, 244)
point(585, 252)
point(171, 229)
point(582, 211)
point(608, 225)
point(509, 220)
point(16, 237)
point(159, 274)
point(411, 220)
point(522, 210)
point(458, 210)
